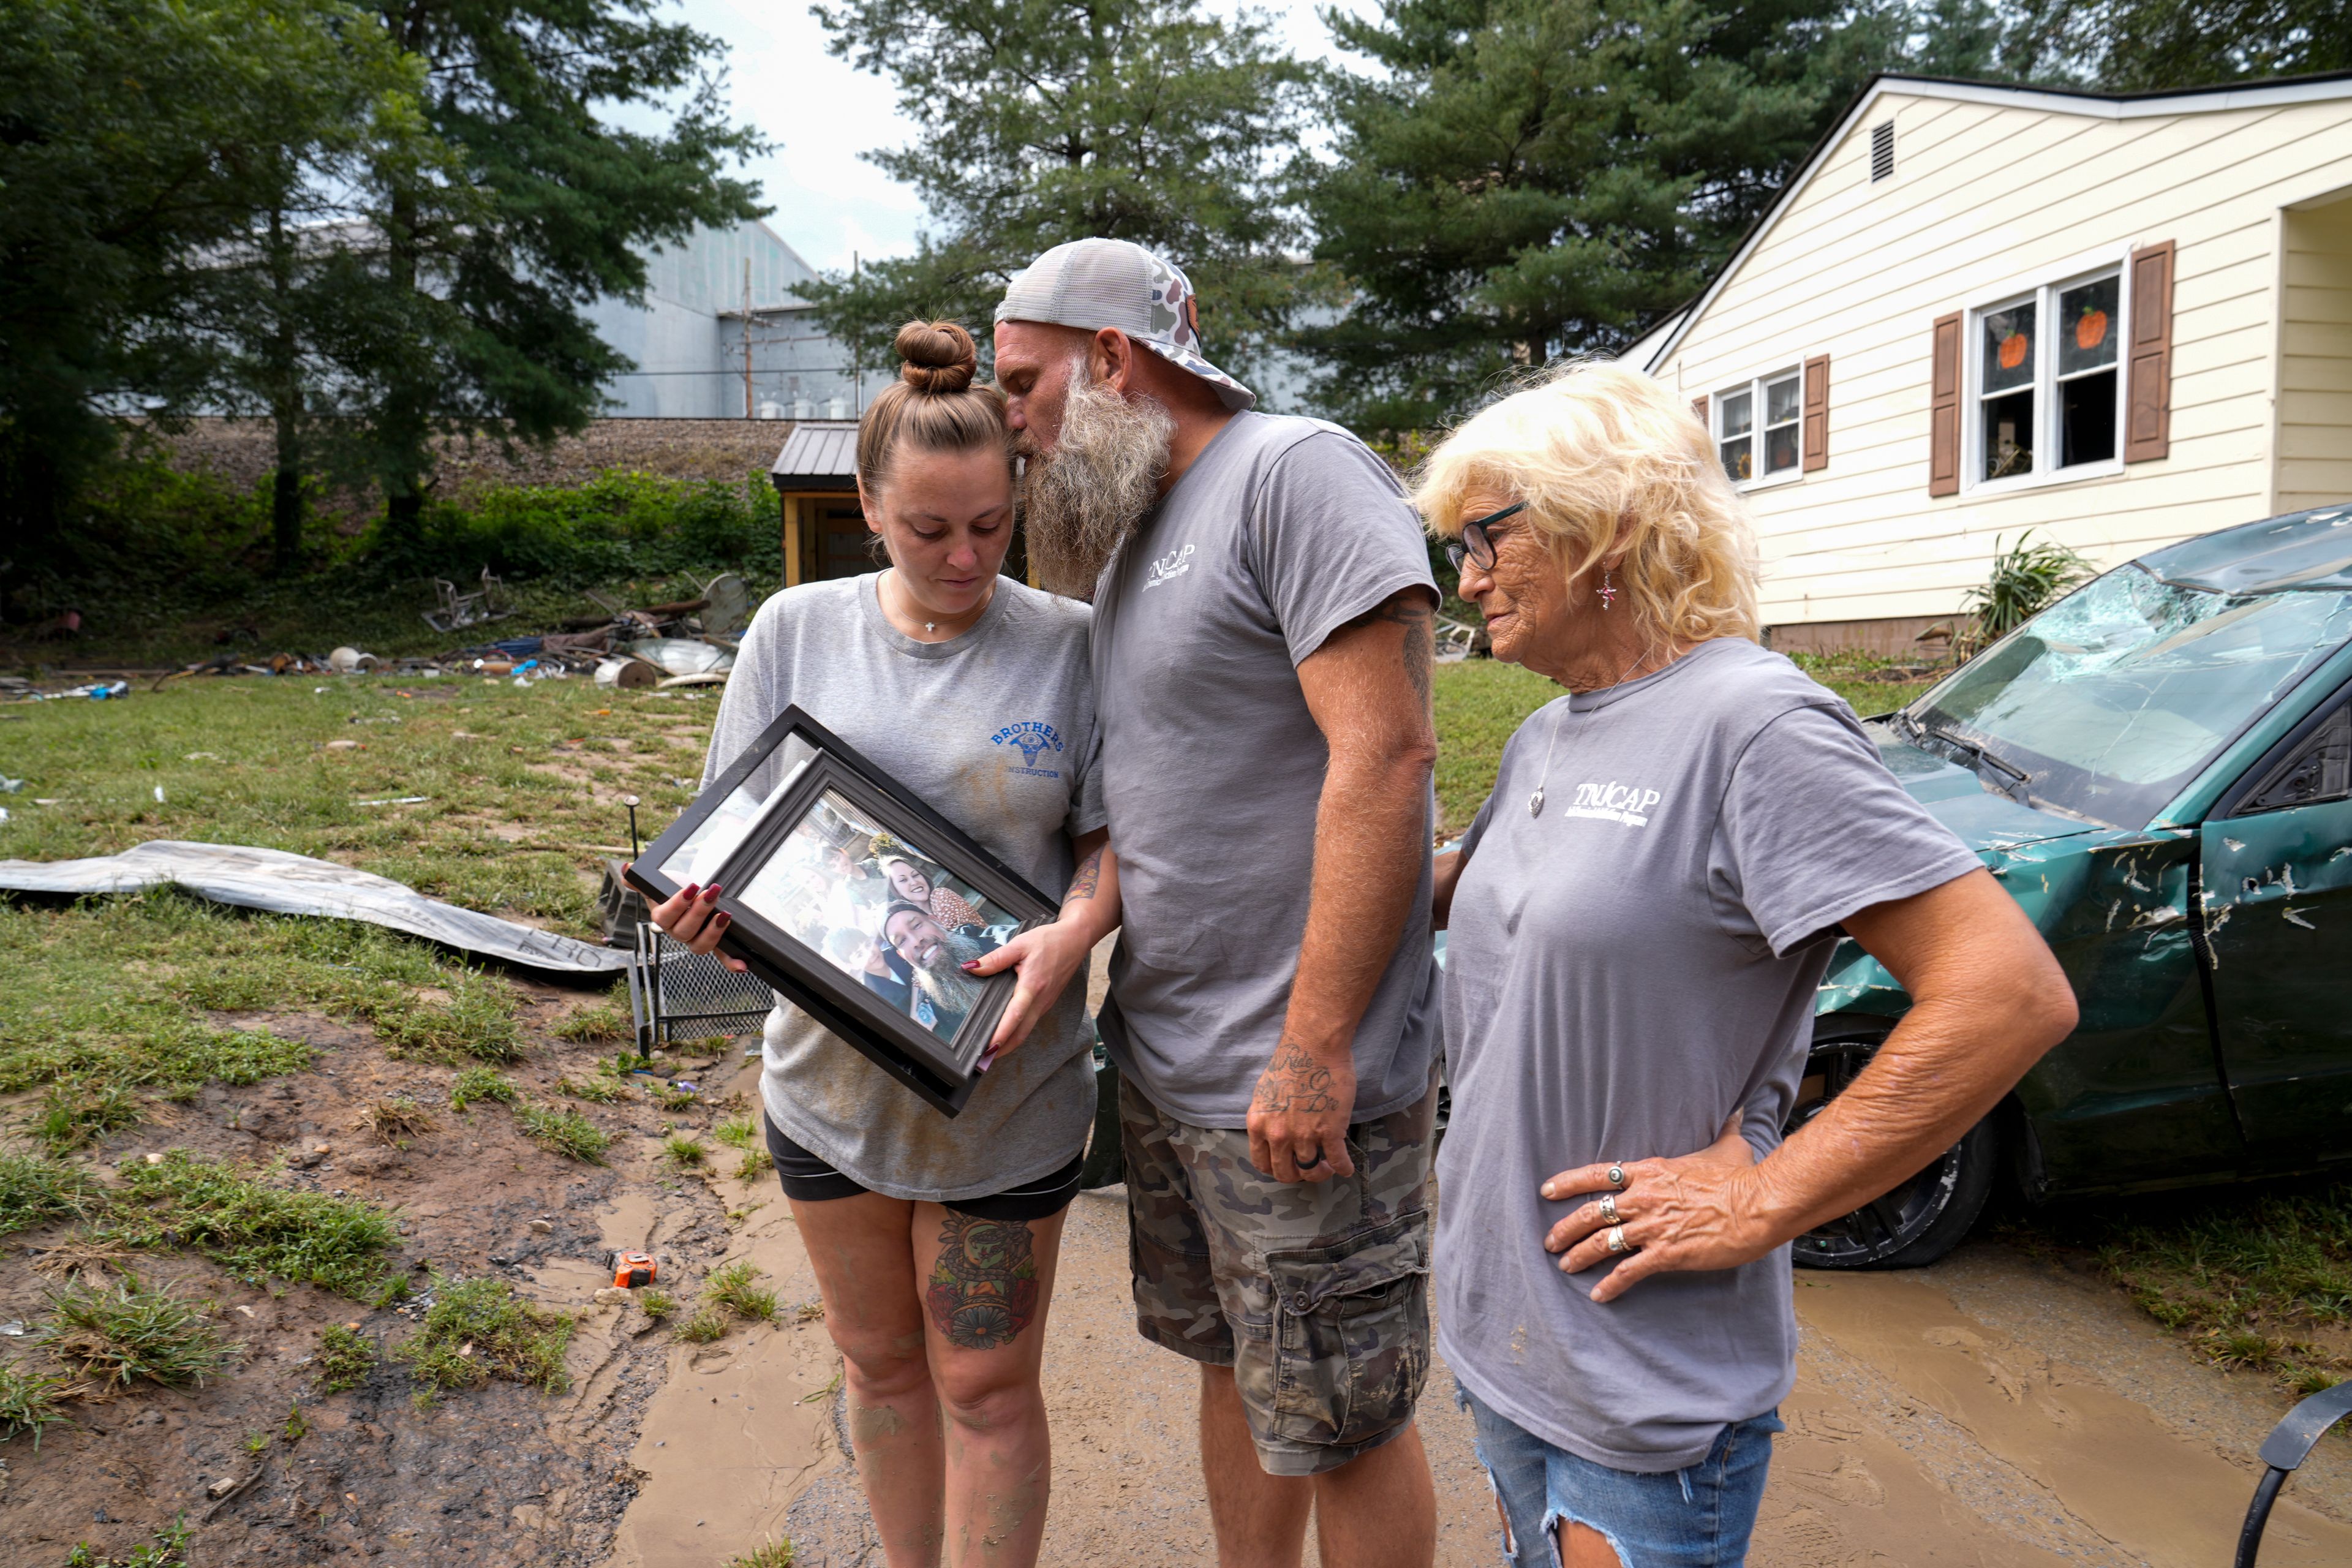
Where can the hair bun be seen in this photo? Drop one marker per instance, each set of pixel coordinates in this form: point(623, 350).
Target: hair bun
point(939, 357)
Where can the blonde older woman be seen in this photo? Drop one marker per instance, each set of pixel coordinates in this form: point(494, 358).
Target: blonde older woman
point(1639, 917)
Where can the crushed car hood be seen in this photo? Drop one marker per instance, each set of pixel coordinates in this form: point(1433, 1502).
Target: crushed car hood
point(1985, 822)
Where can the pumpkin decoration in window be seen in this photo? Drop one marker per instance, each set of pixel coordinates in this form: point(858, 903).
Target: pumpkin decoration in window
point(2013, 351)
point(2090, 329)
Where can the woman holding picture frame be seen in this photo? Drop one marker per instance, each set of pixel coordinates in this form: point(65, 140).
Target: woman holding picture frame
point(935, 1239)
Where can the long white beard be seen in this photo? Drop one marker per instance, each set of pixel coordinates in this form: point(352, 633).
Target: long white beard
point(1081, 501)
point(942, 977)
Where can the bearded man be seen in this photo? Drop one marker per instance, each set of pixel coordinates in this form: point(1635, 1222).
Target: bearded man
point(1263, 609)
point(937, 956)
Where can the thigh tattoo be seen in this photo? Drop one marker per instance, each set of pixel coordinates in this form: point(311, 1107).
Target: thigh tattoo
point(983, 1289)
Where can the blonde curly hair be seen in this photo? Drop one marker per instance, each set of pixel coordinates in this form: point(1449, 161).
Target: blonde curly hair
point(1608, 458)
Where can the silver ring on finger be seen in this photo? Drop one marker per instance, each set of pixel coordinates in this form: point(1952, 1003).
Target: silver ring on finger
point(1616, 1177)
point(1609, 1208)
point(1617, 1242)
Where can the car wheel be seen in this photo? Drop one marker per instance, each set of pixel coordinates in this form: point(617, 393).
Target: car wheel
point(1923, 1217)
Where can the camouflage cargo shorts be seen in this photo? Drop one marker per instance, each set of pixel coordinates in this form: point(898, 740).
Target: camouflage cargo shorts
point(1316, 1294)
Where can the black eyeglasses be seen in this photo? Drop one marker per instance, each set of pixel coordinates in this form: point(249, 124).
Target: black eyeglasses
point(1476, 545)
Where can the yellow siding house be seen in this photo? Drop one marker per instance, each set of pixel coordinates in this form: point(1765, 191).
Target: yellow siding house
point(2119, 320)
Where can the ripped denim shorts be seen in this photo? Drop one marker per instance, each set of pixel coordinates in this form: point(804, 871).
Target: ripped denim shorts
point(1697, 1517)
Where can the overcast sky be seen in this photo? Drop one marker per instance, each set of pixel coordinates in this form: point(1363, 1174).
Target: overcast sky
point(821, 113)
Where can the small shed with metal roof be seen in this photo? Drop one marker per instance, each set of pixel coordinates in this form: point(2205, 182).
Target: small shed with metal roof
point(815, 476)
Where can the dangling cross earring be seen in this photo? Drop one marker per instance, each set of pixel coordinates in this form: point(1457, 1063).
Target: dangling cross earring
point(1608, 589)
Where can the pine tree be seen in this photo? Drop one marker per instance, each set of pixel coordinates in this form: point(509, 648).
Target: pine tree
point(2152, 45)
point(1525, 179)
point(478, 330)
point(1044, 121)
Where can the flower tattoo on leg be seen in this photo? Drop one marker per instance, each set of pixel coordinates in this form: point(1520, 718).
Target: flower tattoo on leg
point(983, 1289)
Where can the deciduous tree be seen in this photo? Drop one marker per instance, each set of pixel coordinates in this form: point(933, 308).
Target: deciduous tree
point(137, 142)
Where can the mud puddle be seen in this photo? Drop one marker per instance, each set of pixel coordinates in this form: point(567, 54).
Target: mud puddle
point(1993, 1411)
point(741, 1426)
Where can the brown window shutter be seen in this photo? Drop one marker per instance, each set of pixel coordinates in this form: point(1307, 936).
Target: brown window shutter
point(1698, 406)
point(1817, 412)
point(2147, 429)
point(1943, 409)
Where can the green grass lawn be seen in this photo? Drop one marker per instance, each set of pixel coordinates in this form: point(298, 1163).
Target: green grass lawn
point(109, 996)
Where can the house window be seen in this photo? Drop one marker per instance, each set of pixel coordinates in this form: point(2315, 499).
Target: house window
point(1758, 426)
point(2046, 380)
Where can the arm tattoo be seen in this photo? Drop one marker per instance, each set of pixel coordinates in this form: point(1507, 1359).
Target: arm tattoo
point(1294, 1081)
point(1087, 881)
point(983, 1289)
point(1419, 624)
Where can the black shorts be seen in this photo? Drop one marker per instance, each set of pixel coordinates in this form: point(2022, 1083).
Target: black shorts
point(808, 1179)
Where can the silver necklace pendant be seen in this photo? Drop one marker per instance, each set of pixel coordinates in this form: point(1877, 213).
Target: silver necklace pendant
point(1535, 801)
point(930, 626)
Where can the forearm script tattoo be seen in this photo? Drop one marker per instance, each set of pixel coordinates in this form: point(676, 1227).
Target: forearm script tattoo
point(1294, 1082)
point(983, 1289)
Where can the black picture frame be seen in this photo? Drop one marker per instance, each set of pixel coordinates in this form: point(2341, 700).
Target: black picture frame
point(732, 832)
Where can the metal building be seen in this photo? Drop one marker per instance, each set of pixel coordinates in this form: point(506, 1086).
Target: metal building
point(722, 333)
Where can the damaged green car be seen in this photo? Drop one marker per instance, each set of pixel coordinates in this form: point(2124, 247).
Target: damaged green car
point(2158, 768)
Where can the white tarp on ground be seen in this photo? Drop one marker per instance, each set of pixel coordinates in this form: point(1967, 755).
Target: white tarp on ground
point(287, 884)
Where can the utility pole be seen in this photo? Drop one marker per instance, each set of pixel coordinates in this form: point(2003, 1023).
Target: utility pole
point(856, 365)
point(747, 337)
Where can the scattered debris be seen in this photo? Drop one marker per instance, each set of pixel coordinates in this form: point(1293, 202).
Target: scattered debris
point(350, 660)
point(287, 884)
point(684, 656)
point(487, 603)
point(628, 674)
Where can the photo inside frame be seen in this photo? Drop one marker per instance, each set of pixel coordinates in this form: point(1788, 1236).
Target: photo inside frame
point(717, 836)
point(879, 910)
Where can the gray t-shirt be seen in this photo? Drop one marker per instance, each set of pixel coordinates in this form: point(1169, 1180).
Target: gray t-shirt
point(1281, 530)
point(1623, 971)
point(995, 730)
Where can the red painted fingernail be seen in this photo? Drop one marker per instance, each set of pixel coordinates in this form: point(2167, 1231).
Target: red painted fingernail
point(711, 892)
point(724, 919)
point(972, 964)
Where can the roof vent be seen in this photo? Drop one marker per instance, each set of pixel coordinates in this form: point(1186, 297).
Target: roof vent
point(1881, 152)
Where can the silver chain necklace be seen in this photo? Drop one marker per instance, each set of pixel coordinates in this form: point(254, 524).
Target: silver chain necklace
point(1534, 801)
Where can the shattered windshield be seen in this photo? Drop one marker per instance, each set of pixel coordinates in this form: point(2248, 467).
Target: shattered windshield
point(2110, 701)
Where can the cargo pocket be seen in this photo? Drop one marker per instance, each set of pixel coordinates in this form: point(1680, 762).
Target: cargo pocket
point(1352, 1333)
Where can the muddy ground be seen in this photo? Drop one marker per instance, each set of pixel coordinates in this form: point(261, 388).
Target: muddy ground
point(1994, 1410)
point(1997, 1409)
point(501, 1476)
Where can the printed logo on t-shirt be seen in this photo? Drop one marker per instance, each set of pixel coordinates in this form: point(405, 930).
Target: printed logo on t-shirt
point(1614, 802)
point(1168, 568)
point(1034, 740)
